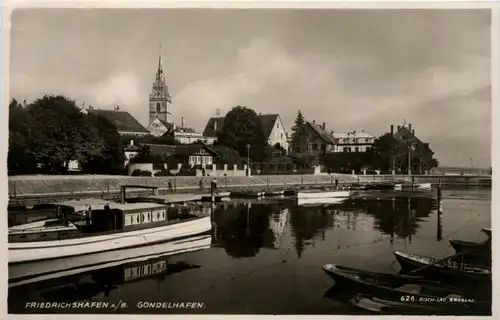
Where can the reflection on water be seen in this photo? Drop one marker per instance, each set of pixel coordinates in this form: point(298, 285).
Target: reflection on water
point(291, 241)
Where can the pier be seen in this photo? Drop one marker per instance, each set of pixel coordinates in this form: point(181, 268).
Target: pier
point(37, 190)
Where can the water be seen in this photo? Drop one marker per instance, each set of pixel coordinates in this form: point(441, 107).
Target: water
point(265, 257)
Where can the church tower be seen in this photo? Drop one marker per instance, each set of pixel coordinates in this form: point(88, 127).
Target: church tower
point(159, 98)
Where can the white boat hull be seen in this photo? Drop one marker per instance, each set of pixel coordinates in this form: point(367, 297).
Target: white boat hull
point(323, 194)
point(55, 268)
point(32, 251)
point(416, 187)
point(312, 201)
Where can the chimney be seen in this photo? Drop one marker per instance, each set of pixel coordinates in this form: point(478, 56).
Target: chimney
point(413, 131)
point(392, 129)
point(24, 103)
point(131, 142)
point(409, 127)
point(215, 125)
point(182, 122)
point(324, 125)
point(117, 108)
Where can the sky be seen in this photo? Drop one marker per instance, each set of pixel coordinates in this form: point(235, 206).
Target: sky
point(355, 69)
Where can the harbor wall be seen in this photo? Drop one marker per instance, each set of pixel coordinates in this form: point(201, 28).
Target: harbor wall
point(29, 190)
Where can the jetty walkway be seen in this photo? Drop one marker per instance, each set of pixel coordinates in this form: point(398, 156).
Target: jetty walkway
point(39, 189)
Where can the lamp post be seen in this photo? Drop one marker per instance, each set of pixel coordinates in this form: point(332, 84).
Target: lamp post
point(248, 159)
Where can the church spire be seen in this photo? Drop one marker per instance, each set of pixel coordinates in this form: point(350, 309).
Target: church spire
point(160, 70)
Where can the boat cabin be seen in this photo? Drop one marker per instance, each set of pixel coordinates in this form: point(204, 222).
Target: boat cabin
point(90, 217)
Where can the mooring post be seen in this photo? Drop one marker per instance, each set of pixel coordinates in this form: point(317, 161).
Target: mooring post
point(440, 211)
point(122, 194)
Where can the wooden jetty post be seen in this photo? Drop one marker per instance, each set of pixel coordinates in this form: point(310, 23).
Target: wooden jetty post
point(439, 235)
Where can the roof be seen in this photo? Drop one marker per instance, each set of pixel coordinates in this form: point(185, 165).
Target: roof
point(321, 133)
point(167, 125)
point(184, 130)
point(267, 122)
point(170, 150)
point(354, 134)
point(403, 133)
point(132, 148)
point(210, 127)
point(123, 120)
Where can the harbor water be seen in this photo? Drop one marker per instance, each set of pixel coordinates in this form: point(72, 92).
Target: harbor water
point(266, 257)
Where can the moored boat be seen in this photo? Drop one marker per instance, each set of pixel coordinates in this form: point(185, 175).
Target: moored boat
point(487, 231)
point(392, 287)
point(319, 201)
point(93, 225)
point(409, 305)
point(25, 273)
point(315, 194)
point(440, 268)
point(384, 283)
point(413, 187)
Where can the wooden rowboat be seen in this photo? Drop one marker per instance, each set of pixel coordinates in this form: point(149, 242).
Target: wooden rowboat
point(439, 268)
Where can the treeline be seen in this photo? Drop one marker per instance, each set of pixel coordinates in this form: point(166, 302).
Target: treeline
point(49, 133)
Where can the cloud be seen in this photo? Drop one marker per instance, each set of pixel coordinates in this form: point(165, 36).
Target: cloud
point(119, 89)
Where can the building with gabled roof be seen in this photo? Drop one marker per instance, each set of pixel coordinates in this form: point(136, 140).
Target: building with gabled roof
point(272, 128)
point(125, 123)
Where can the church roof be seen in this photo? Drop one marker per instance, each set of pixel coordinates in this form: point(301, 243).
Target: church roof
point(267, 122)
point(124, 121)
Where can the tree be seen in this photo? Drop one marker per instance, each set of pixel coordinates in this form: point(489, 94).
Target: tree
point(299, 134)
point(19, 158)
point(242, 127)
point(60, 133)
point(388, 153)
point(112, 157)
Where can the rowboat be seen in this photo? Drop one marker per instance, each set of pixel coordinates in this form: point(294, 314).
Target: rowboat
point(487, 231)
point(23, 274)
point(387, 284)
point(322, 194)
point(409, 305)
point(413, 187)
point(319, 201)
point(95, 225)
point(439, 268)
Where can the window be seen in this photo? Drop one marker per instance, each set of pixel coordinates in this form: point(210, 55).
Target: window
point(158, 107)
point(281, 135)
point(345, 149)
point(350, 149)
point(356, 149)
point(277, 125)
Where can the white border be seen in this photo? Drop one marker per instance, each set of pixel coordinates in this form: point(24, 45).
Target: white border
point(9, 5)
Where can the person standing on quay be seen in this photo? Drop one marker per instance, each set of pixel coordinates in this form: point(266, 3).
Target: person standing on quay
point(201, 184)
point(170, 187)
point(213, 186)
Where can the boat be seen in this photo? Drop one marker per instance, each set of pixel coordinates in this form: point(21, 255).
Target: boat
point(470, 248)
point(322, 194)
point(392, 287)
point(413, 187)
point(384, 283)
point(409, 305)
point(487, 231)
point(247, 194)
point(96, 282)
point(441, 268)
point(274, 193)
point(21, 274)
point(95, 225)
point(319, 201)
